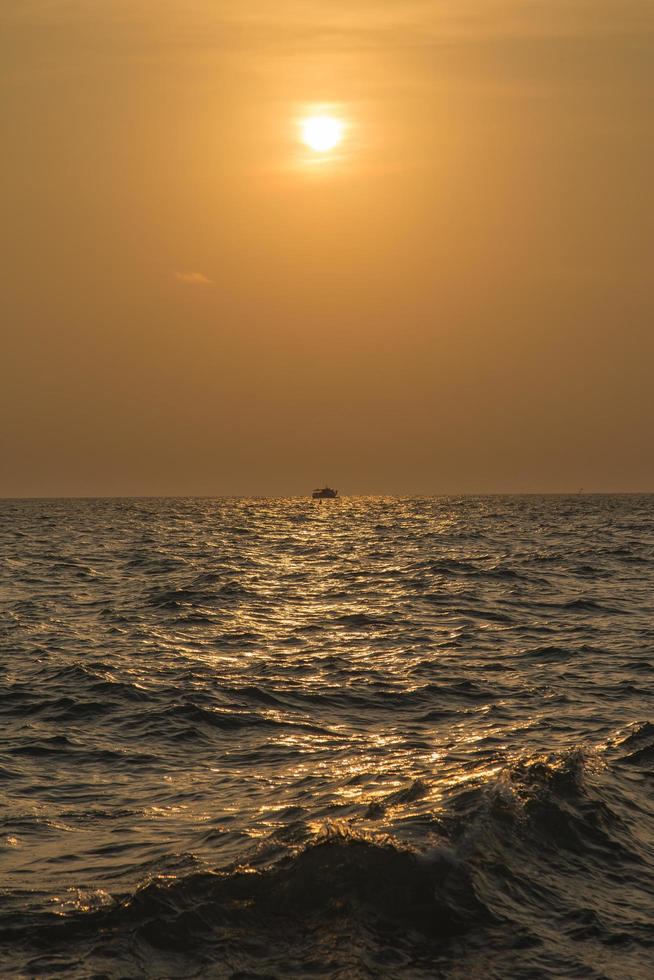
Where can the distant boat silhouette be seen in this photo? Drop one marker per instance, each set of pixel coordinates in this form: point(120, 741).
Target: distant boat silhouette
point(324, 493)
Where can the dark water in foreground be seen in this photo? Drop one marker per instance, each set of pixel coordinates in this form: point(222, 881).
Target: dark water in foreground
point(365, 738)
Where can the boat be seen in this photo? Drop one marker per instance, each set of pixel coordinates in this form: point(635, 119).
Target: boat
point(324, 493)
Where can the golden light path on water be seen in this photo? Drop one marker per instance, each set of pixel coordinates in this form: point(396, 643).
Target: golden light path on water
point(338, 753)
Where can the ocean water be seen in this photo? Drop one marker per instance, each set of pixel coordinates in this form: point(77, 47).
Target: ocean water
point(370, 737)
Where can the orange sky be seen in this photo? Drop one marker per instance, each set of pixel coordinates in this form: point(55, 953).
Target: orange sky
point(458, 299)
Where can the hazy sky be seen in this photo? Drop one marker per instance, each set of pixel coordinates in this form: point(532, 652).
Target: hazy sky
point(459, 298)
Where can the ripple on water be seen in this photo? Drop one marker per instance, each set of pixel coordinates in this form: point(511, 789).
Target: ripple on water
point(383, 736)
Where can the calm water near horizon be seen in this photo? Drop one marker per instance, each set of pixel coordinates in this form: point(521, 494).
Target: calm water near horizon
point(369, 737)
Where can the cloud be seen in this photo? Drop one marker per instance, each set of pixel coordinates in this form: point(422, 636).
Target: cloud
point(193, 278)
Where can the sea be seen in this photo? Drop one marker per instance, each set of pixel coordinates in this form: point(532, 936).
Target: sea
point(394, 737)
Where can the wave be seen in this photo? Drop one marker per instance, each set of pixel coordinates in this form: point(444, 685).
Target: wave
point(362, 620)
point(585, 604)
point(342, 876)
point(339, 877)
point(196, 594)
point(639, 744)
point(175, 719)
point(504, 860)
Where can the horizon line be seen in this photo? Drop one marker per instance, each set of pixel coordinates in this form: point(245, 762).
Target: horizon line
point(341, 496)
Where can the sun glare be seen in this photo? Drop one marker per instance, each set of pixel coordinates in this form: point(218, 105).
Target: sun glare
point(321, 133)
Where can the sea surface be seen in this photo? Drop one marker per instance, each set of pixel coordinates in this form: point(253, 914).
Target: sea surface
point(369, 737)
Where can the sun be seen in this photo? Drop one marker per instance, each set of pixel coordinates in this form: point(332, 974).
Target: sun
point(321, 133)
